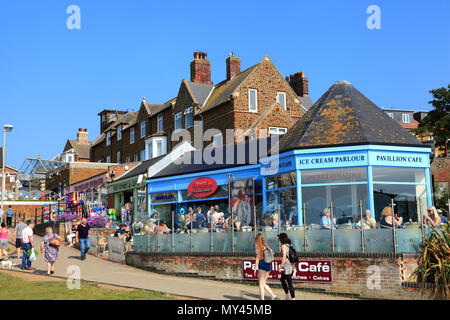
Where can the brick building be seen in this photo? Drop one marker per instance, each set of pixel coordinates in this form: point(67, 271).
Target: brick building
point(258, 98)
point(77, 150)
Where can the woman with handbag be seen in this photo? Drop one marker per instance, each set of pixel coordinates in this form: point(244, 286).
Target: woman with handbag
point(50, 243)
point(264, 258)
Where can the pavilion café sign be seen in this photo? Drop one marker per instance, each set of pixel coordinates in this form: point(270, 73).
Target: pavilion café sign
point(305, 271)
point(202, 187)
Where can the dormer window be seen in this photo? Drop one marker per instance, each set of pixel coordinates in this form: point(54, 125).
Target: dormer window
point(178, 123)
point(405, 117)
point(108, 138)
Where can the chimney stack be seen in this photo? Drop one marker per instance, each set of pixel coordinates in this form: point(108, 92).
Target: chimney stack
point(82, 136)
point(200, 68)
point(299, 83)
point(233, 66)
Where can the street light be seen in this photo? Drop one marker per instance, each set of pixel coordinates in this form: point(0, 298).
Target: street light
point(6, 128)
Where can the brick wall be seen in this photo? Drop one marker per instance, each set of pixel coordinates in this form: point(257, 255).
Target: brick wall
point(350, 273)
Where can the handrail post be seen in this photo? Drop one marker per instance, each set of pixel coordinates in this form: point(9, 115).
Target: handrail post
point(394, 238)
point(361, 225)
point(305, 244)
point(332, 226)
point(173, 232)
point(157, 236)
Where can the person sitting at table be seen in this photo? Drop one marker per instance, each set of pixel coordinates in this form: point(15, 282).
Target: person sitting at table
point(433, 219)
point(220, 225)
point(367, 222)
point(443, 217)
point(275, 221)
point(386, 218)
point(267, 221)
point(200, 219)
point(325, 221)
point(293, 216)
point(120, 232)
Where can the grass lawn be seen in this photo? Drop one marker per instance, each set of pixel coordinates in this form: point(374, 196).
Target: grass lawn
point(15, 287)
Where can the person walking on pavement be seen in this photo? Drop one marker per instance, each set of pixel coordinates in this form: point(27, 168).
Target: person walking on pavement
point(261, 267)
point(51, 252)
point(9, 215)
point(82, 237)
point(27, 244)
point(286, 267)
point(18, 235)
point(4, 233)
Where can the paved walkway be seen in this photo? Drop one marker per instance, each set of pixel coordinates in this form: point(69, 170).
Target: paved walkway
point(104, 271)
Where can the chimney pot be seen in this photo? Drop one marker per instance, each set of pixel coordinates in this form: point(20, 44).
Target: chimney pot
point(233, 66)
point(200, 68)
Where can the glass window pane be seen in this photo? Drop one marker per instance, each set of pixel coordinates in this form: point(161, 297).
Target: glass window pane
point(409, 200)
point(287, 179)
point(398, 174)
point(358, 174)
point(346, 203)
point(281, 208)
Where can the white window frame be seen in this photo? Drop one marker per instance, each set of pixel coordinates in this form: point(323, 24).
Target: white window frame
point(119, 133)
point(108, 138)
point(136, 157)
point(143, 129)
point(390, 114)
point(188, 114)
point(283, 105)
point(131, 135)
point(178, 117)
point(108, 159)
point(160, 123)
point(277, 129)
point(256, 100)
point(151, 147)
point(143, 155)
point(405, 116)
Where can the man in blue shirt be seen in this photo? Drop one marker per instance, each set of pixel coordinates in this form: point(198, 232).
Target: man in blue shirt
point(325, 222)
point(119, 232)
point(200, 218)
point(9, 215)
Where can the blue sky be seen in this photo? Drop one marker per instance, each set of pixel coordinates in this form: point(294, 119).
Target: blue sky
point(54, 80)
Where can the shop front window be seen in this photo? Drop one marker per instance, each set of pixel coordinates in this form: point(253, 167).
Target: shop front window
point(406, 187)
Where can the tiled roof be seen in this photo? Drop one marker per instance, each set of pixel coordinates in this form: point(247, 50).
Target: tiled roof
point(82, 150)
point(224, 90)
point(344, 116)
point(200, 91)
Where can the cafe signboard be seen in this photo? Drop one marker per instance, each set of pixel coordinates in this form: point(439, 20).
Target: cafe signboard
point(304, 271)
point(202, 187)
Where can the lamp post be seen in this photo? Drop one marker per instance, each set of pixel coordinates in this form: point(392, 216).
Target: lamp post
point(6, 128)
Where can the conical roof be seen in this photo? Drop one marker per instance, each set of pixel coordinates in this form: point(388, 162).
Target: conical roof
point(344, 116)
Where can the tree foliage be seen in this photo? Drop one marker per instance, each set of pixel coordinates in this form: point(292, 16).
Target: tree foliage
point(437, 121)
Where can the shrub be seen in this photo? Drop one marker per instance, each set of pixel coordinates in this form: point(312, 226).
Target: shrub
point(434, 260)
point(66, 217)
point(97, 222)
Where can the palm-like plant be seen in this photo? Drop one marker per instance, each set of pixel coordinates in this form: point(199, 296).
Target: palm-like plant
point(434, 261)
